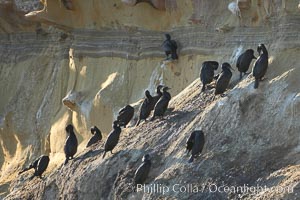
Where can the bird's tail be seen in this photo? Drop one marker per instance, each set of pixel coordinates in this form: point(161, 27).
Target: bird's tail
point(31, 177)
point(188, 151)
point(214, 97)
point(256, 83)
point(24, 170)
point(191, 159)
point(104, 154)
point(138, 122)
point(152, 118)
point(66, 161)
point(241, 75)
point(203, 88)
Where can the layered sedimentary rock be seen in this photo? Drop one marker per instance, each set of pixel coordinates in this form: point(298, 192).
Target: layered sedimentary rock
point(81, 65)
point(252, 141)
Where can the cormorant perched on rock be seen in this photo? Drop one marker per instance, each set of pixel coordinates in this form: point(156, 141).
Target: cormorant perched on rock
point(39, 165)
point(207, 72)
point(96, 136)
point(197, 144)
point(224, 79)
point(125, 115)
point(162, 104)
point(112, 139)
point(145, 108)
point(143, 170)
point(157, 96)
point(261, 64)
point(170, 47)
point(244, 60)
point(71, 143)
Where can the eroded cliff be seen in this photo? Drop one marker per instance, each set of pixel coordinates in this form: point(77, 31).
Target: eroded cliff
point(80, 65)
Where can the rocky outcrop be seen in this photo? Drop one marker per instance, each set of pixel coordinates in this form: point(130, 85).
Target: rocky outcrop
point(252, 140)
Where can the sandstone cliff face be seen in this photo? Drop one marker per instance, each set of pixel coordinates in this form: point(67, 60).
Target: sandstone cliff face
point(81, 65)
